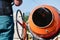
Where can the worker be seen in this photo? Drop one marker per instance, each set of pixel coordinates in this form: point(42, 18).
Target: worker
point(6, 19)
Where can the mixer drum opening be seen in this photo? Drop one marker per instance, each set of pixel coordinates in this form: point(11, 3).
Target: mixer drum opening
point(42, 17)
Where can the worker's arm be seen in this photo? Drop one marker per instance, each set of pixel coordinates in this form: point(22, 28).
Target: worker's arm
point(17, 2)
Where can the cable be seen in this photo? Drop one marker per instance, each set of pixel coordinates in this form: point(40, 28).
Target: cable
point(17, 25)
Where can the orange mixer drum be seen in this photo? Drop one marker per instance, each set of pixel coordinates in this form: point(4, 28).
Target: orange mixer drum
point(44, 21)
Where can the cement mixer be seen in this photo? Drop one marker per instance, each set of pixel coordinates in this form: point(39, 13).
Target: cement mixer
point(44, 22)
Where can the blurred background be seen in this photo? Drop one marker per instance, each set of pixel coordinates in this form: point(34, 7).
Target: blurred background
point(28, 5)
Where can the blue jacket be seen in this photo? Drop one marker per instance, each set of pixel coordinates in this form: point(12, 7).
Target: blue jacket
point(6, 22)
